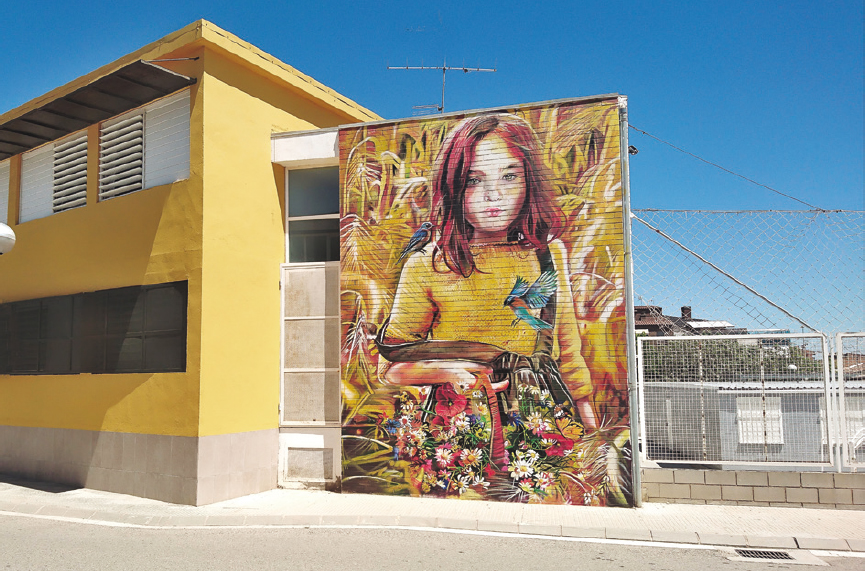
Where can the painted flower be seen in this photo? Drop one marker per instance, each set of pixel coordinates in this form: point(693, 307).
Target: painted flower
point(526, 485)
point(460, 421)
point(449, 402)
point(529, 456)
point(559, 445)
point(462, 483)
point(471, 456)
point(521, 469)
point(537, 423)
point(444, 456)
point(544, 480)
point(438, 426)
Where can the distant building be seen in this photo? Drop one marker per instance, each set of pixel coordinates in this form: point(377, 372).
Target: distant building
point(650, 320)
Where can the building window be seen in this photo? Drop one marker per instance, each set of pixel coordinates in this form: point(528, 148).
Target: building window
point(759, 420)
point(4, 191)
point(125, 330)
point(313, 215)
point(144, 148)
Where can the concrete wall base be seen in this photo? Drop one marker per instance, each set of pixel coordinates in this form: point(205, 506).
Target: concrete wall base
point(176, 469)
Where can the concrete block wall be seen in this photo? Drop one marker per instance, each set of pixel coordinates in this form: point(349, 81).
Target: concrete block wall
point(755, 488)
point(310, 427)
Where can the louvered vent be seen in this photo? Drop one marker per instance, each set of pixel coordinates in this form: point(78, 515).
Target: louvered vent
point(121, 156)
point(4, 191)
point(37, 180)
point(70, 172)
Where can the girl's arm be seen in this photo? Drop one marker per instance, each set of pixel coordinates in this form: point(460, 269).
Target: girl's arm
point(575, 372)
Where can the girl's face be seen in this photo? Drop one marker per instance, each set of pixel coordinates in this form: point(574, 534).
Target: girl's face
point(495, 191)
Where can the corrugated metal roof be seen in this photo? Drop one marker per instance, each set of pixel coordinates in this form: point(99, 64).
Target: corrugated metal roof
point(127, 88)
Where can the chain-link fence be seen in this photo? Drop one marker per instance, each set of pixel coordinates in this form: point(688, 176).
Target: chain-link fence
point(698, 272)
point(735, 314)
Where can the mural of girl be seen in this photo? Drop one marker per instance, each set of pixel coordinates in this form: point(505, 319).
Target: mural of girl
point(481, 345)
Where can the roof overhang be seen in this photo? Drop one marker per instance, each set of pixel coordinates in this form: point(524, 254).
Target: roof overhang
point(126, 88)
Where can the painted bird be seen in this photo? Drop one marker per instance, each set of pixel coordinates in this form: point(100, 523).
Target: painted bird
point(523, 298)
point(418, 241)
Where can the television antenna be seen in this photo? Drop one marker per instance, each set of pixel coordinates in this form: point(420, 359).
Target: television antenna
point(444, 69)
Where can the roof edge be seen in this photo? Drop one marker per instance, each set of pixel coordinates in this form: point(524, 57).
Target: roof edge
point(213, 35)
point(186, 35)
point(256, 57)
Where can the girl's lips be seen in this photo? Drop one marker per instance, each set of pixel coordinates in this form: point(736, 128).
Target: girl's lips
point(494, 211)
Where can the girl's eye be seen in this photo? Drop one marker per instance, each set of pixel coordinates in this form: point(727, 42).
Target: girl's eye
point(510, 176)
point(473, 180)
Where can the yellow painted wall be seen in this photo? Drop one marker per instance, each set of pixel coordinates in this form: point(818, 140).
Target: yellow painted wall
point(151, 236)
point(222, 229)
point(244, 242)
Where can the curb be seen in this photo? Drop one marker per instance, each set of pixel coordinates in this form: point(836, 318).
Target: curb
point(537, 530)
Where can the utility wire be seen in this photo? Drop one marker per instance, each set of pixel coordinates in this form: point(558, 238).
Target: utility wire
point(724, 169)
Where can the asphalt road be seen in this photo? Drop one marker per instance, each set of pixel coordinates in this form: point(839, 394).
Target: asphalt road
point(42, 544)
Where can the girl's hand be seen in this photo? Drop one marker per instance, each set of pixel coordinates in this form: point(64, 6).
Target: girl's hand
point(466, 374)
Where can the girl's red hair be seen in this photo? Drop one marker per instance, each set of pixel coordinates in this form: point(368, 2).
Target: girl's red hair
point(538, 222)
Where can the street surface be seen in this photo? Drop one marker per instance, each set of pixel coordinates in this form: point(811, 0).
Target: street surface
point(28, 543)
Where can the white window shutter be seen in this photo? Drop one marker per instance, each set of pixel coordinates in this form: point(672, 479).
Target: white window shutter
point(121, 156)
point(70, 172)
point(754, 426)
point(166, 140)
point(4, 192)
point(37, 182)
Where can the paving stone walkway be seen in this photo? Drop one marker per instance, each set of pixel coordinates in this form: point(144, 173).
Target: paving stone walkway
point(761, 527)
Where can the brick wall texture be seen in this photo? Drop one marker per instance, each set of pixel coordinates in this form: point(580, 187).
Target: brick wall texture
point(753, 488)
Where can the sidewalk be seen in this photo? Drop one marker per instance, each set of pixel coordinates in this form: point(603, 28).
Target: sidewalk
point(739, 526)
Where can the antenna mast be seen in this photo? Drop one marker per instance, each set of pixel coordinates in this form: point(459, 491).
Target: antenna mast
point(444, 69)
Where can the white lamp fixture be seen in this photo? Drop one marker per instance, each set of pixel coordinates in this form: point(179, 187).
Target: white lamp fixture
point(7, 238)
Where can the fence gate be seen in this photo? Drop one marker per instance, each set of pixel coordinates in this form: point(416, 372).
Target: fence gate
point(736, 399)
point(850, 366)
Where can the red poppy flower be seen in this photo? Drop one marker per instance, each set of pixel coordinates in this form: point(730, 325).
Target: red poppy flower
point(560, 444)
point(449, 402)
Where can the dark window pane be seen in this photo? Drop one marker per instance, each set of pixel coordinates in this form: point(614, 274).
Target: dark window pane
point(125, 310)
point(27, 320)
point(166, 308)
point(88, 354)
point(165, 353)
point(55, 356)
point(5, 339)
point(57, 318)
point(124, 354)
point(313, 191)
point(313, 240)
point(101, 332)
point(25, 356)
point(89, 314)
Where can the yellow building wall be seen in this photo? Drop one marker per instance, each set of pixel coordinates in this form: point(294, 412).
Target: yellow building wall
point(151, 236)
point(222, 229)
point(147, 237)
point(244, 241)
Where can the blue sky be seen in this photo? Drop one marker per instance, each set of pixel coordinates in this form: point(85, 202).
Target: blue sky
point(771, 90)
